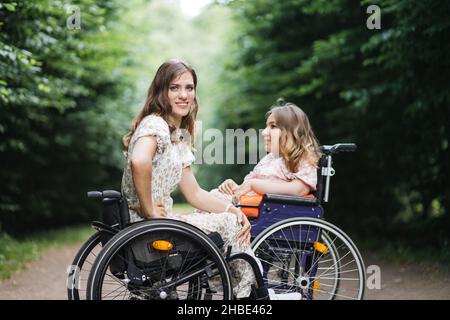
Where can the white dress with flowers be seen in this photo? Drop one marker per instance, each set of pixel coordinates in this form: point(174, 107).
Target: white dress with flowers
point(168, 162)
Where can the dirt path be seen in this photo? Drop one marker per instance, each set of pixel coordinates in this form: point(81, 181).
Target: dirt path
point(46, 279)
point(409, 281)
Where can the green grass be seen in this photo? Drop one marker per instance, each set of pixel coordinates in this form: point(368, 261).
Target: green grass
point(15, 253)
point(182, 208)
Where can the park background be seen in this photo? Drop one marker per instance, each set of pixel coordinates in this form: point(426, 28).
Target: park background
point(68, 95)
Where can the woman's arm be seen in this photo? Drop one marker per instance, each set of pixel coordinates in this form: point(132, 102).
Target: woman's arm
point(295, 187)
point(205, 201)
point(198, 197)
point(141, 169)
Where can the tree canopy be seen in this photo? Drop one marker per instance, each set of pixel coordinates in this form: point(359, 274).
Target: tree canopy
point(61, 112)
point(386, 90)
point(67, 96)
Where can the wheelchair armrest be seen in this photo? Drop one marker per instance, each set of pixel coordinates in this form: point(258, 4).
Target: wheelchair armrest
point(285, 199)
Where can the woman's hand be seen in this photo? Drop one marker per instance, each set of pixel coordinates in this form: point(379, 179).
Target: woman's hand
point(228, 187)
point(158, 211)
point(244, 235)
point(244, 188)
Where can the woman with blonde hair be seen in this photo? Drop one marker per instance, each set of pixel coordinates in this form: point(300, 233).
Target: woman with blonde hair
point(290, 167)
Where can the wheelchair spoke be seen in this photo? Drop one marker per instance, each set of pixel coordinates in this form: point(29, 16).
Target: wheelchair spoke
point(287, 240)
point(337, 262)
point(340, 272)
point(302, 271)
point(308, 256)
point(135, 269)
point(274, 265)
point(121, 293)
point(182, 265)
point(282, 284)
point(122, 289)
point(163, 268)
point(316, 261)
point(270, 246)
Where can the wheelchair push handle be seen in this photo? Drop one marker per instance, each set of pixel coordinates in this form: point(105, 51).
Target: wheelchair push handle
point(104, 194)
point(327, 170)
point(339, 147)
point(345, 147)
point(95, 194)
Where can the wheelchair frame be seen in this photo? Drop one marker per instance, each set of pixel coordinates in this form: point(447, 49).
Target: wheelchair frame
point(276, 212)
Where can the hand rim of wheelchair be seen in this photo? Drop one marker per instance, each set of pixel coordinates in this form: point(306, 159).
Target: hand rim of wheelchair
point(318, 223)
point(78, 264)
point(120, 240)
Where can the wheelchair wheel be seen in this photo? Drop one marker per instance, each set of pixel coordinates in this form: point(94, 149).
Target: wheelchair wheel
point(161, 259)
point(78, 272)
point(310, 256)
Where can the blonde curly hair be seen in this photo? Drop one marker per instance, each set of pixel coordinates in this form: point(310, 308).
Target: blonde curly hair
point(297, 140)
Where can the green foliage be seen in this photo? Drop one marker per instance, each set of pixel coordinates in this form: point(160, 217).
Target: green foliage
point(62, 110)
point(68, 96)
point(386, 90)
point(161, 32)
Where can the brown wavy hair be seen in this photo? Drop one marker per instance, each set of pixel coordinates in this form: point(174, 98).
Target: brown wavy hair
point(297, 140)
point(157, 101)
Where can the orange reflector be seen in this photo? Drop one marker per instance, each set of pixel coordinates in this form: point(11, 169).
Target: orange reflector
point(316, 286)
point(320, 247)
point(162, 245)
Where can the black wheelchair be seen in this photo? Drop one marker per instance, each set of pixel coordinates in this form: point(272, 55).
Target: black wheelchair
point(166, 259)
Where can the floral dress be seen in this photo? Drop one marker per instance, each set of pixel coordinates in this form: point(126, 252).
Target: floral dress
point(167, 165)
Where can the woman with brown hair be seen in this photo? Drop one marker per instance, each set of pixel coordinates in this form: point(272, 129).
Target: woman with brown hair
point(159, 157)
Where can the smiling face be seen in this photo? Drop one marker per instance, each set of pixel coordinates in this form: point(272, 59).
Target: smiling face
point(181, 95)
point(271, 135)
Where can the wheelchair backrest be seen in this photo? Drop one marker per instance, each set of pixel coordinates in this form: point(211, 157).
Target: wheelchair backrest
point(115, 212)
